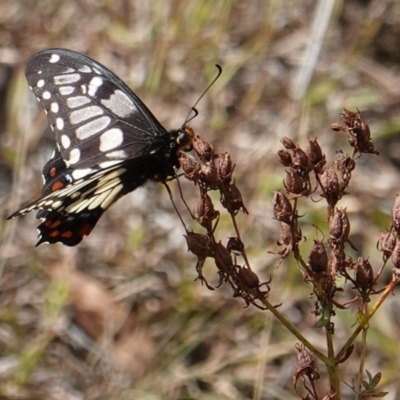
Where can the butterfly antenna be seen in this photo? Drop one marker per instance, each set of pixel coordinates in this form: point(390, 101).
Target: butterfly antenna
point(194, 109)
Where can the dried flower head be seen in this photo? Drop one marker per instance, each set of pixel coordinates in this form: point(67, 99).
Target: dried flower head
point(339, 228)
point(225, 167)
point(204, 149)
point(223, 258)
point(386, 244)
point(316, 157)
point(285, 158)
point(344, 164)
point(306, 370)
point(283, 210)
point(364, 275)
point(204, 212)
point(300, 160)
point(288, 143)
point(232, 199)
point(318, 258)
point(294, 183)
point(209, 175)
point(330, 185)
point(200, 245)
point(191, 168)
point(360, 135)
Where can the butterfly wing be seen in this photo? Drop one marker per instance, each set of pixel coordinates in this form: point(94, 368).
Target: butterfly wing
point(91, 111)
point(107, 143)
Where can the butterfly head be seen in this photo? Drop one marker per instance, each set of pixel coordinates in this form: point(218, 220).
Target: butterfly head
point(184, 139)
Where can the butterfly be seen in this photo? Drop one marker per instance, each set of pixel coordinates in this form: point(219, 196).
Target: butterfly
point(108, 143)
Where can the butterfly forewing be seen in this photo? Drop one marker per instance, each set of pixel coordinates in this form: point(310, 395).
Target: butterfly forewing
point(91, 111)
point(107, 143)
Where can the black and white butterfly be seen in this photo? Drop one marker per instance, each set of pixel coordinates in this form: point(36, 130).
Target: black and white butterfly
point(108, 143)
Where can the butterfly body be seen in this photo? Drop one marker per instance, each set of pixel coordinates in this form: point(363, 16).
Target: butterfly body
point(108, 143)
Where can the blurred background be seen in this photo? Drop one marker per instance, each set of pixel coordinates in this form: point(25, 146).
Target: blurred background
point(121, 315)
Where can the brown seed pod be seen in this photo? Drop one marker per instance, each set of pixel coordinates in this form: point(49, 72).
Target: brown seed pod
point(316, 157)
point(199, 245)
point(283, 210)
point(232, 199)
point(339, 228)
point(318, 258)
point(204, 212)
point(204, 149)
point(225, 167)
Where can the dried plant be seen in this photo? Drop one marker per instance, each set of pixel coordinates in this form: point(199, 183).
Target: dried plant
point(308, 176)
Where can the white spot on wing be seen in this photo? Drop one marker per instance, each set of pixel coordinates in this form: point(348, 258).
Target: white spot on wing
point(68, 177)
point(65, 141)
point(56, 204)
point(54, 58)
point(107, 164)
point(59, 123)
point(83, 114)
point(74, 156)
point(98, 200)
point(54, 108)
point(75, 195)
point(112, 196)
point(80, 173)
point(68, 70)
point(77, 207)
point(46, 95)
point(120, 104)
point(40, 83)
point(66, 90)
point(92, 128)
point(65, 79)
point(107, 186)
point(118, 154)
point(77, 101)
point(112, 175)
point(94, 84)
point(85, 69)
point(111, 139)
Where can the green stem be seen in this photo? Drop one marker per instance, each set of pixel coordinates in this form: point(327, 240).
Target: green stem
point(388, 290)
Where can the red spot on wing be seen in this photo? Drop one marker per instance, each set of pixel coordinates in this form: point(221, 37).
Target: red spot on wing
point(55, 224)
point(68, 229)
point(85, 230)
point(56, 186)
point(67, 234)
point(51, 223)
point(53, 172)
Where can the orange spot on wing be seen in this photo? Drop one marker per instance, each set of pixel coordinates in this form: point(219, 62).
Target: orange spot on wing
point(57, 185)
point(54, 234)
point(53, 171)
